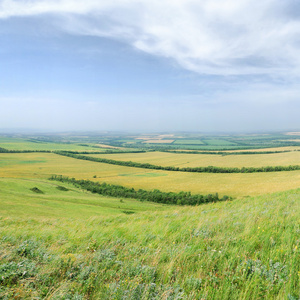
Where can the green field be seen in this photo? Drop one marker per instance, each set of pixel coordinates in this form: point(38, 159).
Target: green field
point(218, 142)
point(27, 144)
point(59, 241)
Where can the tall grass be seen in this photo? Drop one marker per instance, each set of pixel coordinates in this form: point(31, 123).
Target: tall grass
point(244, 249)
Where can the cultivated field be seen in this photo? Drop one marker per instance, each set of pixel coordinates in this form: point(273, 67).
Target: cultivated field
point(204, 160)
point(18, 200)
point(194, 141)
point(43, 165)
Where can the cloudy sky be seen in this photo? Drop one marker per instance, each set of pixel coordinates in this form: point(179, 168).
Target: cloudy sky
point(159, 65)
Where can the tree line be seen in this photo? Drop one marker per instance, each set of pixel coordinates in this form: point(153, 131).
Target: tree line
point(181, 198)
point(3, 150)
point(209, 169)
point(226, 153)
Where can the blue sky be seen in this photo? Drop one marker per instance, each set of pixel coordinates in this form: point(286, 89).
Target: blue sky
point(180, 65)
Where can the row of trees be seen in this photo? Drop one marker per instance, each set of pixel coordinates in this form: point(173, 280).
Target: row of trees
point(182, 198)
point(3, 150)
point(227, 153)
point(209, 169)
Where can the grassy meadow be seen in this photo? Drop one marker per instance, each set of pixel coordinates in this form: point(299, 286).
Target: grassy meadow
point(18, 200)
point(58, 241)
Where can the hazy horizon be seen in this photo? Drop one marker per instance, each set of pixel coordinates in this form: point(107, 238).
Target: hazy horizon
point(41, 132)
point(161, 66)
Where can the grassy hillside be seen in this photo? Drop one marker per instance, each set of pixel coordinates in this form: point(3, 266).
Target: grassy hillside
point(75, 245)
point(18, 199)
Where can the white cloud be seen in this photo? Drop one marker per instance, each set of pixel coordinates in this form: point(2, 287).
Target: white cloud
point(224, 37)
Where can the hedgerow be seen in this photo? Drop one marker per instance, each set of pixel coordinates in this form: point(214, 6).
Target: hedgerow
point(182, 198)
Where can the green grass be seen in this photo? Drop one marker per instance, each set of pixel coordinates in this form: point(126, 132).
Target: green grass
point(244, 249)
point(26, 144)
point(18, 199)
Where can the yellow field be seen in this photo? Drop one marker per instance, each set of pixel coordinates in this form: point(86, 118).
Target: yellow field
point(204, 160)
point(107, 146)
point(158, 141)
point(293, 133)
point(292, 140)
point(43, 165)
point(288, 148)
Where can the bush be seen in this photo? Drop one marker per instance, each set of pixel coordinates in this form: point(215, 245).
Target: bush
point(37, 190)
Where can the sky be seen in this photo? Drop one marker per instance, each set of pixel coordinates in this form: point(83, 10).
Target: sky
point(159, 65)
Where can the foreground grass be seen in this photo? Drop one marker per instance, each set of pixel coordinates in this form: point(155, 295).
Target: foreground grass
point(243, 249)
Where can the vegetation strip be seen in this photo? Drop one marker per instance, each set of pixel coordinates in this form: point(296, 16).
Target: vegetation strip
point(209, 169)
point(182, 198)
point(3, 150)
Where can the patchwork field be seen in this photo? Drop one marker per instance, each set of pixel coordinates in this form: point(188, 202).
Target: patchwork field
point(204, 160)
point(198, 141)
point(43, 165)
